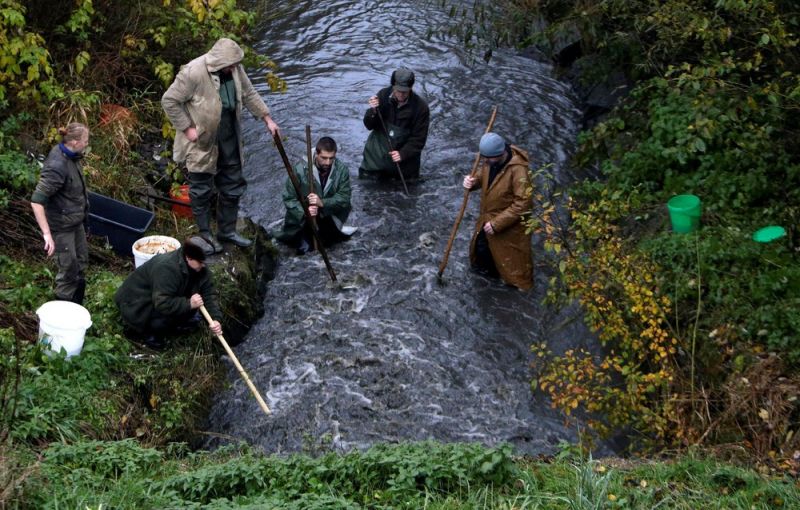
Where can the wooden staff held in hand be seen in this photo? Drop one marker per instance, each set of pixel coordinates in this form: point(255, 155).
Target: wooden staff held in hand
point(215, 327)
point(310, 171)
point(464, 202)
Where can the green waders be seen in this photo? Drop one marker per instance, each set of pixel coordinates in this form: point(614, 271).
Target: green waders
point(229, 181)
point(377, 162)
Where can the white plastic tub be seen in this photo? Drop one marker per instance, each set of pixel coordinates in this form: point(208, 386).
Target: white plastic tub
point(63, 325)
point(148, 247)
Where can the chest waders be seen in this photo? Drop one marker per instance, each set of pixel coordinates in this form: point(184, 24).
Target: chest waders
point(376, 150)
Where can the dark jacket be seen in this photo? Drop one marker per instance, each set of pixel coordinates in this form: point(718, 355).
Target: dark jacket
point(506, 202)
point(163, 283)
point(62, 191)
point(408, 130)
point(335, 196)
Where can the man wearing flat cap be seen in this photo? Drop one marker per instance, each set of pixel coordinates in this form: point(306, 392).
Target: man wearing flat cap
point(397, 119)
point(500, 246)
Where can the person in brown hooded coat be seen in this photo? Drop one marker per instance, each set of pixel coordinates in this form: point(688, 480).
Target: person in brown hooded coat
point(500, 246)
point(204, 104)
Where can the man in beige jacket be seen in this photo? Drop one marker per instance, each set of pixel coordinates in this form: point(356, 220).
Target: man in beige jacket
point(204, 104)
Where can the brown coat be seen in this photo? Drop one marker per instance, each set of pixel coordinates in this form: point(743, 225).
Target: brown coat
point(504, 204)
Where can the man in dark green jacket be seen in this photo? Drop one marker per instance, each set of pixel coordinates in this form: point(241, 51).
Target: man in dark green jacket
point(402, 115)
point(328, 201)
point(165, 293)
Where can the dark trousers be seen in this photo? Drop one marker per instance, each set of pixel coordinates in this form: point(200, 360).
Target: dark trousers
point(328, 234)
point(160, 325)
point(484, 263)
point(72, 257)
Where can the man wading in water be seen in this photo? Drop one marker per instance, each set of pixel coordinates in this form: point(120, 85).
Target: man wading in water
point(500, 246)
point(404, 116)
point(329, 204)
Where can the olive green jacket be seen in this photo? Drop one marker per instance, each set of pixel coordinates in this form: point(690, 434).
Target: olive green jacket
point(162, 283)
point(62, 191)
point(335, 197)
point(193, 100)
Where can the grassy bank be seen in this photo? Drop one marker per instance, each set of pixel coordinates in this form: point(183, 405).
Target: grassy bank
point(124, 474)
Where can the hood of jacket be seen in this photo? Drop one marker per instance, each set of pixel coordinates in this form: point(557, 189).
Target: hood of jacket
point(518, 156)
point(224, 53)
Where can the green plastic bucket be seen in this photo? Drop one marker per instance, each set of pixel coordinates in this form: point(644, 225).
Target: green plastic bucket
point(684, 213)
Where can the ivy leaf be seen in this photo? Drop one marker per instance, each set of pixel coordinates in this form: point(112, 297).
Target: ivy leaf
point(81, 61)
point(699, 145)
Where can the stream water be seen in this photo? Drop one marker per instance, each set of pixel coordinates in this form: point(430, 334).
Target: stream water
point(391, 355)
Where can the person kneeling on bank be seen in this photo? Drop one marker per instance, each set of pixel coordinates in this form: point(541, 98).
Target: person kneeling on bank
point(164, 294)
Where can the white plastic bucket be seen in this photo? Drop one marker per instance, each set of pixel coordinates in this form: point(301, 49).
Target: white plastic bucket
point(62, 325)
point(148, 247)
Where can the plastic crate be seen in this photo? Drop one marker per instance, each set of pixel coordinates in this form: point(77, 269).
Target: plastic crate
point(120, 223)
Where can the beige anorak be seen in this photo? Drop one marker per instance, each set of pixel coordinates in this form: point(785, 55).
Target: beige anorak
point(193, 100)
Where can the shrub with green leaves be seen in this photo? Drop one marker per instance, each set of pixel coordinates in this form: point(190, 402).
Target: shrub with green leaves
point(385, 476)
point(17, 171)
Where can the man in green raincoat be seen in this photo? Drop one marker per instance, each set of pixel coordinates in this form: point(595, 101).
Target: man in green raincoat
point(328, 200)
point(401, 115)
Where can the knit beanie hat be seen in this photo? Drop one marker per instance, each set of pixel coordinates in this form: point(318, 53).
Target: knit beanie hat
point(492, 145)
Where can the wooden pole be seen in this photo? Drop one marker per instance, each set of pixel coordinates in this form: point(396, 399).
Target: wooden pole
point(391, 149)
point(464, 203)
point(310, 176)
point(238, 365)
point(304, 203)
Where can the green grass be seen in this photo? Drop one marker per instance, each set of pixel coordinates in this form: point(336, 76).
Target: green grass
point(416, 475)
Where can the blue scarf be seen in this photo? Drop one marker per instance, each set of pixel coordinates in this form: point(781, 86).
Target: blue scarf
point(74, 156)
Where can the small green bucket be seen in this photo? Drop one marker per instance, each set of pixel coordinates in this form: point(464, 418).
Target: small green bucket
point(684, 213)
point(769, 234)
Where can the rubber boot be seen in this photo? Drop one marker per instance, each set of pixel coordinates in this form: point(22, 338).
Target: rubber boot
point(80, 292)
point(202, 216)
point(227, 212)
point(201, 193)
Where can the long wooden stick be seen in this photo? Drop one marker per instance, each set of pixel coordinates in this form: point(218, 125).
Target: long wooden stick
point(310, 174)
point(464, 203)
point(391, 149)
point(238, 365)
point(303, 203)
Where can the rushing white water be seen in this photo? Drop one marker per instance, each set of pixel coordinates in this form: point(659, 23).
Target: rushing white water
point(391, 355)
